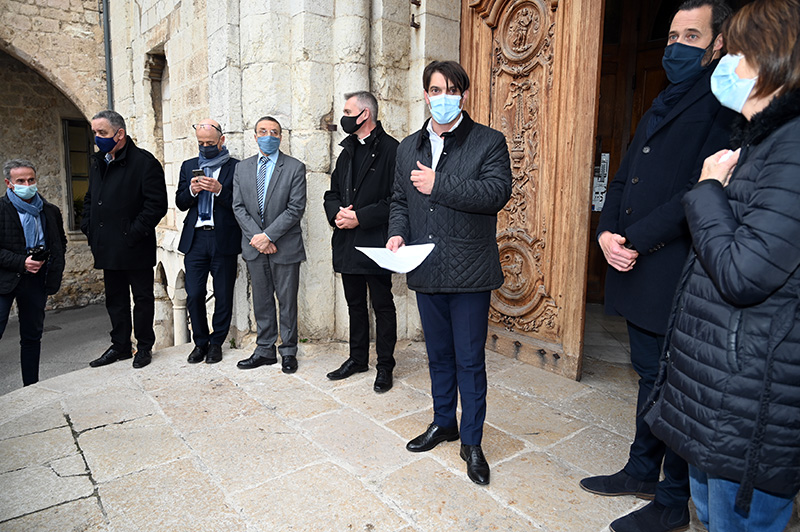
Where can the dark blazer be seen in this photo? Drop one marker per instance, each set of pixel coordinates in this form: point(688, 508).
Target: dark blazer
point(125, 201)
point(13, 249)
point(643, 203)
point(228, 236)
point(729, 389)
point(370, 200)
point(473, 183)
point(286, 203)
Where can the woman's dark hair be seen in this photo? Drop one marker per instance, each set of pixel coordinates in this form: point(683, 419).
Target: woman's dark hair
point(765, 32)
point(452, 72)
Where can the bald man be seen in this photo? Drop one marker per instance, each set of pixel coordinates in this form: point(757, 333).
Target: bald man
point(211, 239)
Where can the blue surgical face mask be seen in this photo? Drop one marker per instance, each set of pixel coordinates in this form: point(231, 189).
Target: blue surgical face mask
point(682, 62)
point(731, 90)
point(209, 152)
point(25, 192)
point(445, 107)
point(268, 144)
point(106, 144)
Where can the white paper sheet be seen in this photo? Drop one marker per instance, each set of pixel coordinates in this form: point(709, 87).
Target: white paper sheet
point(403, 261)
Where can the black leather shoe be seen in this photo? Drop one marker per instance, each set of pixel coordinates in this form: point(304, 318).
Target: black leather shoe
point(431, 438)
point(288, 364)
point(110, 356)
point(347, 369)
point(654, 517)
point(255, 361)
point(143, 357)
point(617, 484)
point(477, 467)
point(198, 354)
point(383, 382)
point(214, 354)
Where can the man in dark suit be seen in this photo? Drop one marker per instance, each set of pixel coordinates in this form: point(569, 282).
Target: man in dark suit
point(357, 206)
point(127, 197)
point(269, 199)
point(32, 246)
point(211, 239)
point(644, 237)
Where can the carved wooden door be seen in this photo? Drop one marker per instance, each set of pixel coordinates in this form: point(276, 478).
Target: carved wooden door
point(534, 66)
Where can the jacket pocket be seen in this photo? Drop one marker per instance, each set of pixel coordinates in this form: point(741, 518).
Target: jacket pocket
point(733, 340)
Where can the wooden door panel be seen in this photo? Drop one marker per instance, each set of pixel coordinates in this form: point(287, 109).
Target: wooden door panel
point(535, 71)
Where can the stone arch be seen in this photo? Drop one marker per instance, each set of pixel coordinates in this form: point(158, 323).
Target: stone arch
point(163, 323)
point(180, 315)
point(67, 54)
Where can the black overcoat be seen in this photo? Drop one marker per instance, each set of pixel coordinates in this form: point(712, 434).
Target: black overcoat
point(125, 201)
point(643, 203)
point(13, 249)
point(370, 197)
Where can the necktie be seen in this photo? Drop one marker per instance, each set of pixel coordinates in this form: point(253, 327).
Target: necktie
point(260, 180)
point(204, 199)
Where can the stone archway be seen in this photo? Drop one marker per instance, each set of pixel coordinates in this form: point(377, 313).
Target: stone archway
point(63, 44)
point(163, 322)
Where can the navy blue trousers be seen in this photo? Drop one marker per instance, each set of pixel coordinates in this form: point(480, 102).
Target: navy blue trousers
point(31, 299)
point(455, 327)
point(201, 260)
point(648, 452)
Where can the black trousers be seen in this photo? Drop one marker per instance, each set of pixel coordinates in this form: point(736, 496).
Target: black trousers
point(119, 285)
point(647, 452)
point(201, 260)
point(31, 299)
point(380, 292)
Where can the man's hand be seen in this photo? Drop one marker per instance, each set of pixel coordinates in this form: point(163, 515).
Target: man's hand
point(395, 243)
point(346, 218)
point(423, 178)
point(618, 257)
point(32, 266)
point(205, 183)
point(263, 244)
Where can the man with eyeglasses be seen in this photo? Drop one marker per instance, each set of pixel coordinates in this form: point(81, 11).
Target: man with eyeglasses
point(269, 199)
point(127, 197)
point(210, 239)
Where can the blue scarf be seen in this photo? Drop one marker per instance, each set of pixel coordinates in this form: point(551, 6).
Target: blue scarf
point(32, 219)
point(204, 199)
point(667, 99)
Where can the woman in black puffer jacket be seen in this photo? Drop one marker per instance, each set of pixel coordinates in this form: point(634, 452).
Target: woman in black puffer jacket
point(728, 397)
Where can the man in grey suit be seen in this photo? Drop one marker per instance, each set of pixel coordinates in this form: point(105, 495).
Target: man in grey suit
point(269, 198)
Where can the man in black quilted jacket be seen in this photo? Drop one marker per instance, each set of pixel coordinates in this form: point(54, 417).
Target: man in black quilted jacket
point(452, 177)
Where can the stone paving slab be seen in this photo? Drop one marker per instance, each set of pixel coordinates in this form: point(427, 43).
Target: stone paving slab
point(179, 447)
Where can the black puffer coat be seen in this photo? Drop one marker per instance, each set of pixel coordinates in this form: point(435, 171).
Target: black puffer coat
point(728, 397)
point(370, 191)
point(473, 182)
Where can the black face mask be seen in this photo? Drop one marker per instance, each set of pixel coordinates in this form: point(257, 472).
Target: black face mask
point(349, 123)
point(209, 152)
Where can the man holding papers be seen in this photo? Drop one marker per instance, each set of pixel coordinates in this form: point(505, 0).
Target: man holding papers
point(452, 177)
point(357, 206)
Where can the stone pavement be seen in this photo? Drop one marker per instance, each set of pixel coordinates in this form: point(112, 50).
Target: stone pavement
point(177, 447)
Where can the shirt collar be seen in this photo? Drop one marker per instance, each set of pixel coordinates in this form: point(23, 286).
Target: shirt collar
point(458, 123)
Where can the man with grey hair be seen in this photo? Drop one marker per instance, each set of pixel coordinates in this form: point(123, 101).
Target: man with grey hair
point(357, 206)
point(127, 197)
point(32, 246)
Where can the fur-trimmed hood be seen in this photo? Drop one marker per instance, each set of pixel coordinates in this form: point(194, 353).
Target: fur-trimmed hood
point(779, 111)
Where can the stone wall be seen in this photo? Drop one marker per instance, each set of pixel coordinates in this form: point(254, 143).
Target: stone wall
point(31, 110)
point(63, 41)
point(238, 60)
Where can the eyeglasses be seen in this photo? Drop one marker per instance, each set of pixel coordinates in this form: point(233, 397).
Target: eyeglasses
point(206, 126)
point(271, 132)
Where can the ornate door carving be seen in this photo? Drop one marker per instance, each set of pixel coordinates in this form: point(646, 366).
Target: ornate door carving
point(528, 84)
